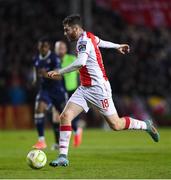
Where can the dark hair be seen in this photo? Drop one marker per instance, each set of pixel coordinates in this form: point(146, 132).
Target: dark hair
point(73, 19)
point(44, 39)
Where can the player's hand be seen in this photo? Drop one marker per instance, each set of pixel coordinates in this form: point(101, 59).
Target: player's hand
point(124, 49)
point(54, 75)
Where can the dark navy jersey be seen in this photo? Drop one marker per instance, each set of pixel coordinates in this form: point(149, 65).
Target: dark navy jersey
point(50, 62)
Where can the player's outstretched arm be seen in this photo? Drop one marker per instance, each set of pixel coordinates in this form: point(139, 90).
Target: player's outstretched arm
point(122, 48)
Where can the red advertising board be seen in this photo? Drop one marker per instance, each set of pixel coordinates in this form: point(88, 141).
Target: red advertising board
point(152, 13)
point(16, 117)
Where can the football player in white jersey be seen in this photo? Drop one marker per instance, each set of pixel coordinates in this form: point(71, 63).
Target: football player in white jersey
point(94, 89)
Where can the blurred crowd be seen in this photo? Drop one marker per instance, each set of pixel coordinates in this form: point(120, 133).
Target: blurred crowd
point(147, 69)
point(144, 73)
point(22, 24)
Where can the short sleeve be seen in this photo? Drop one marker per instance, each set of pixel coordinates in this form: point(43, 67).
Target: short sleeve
point(83, 46)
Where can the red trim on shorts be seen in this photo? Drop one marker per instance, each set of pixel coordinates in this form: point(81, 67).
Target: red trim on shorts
point(98, 54)
point(65, 128)
point(127, 122)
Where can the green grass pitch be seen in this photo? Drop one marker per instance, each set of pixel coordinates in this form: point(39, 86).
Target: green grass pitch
point(103, 154)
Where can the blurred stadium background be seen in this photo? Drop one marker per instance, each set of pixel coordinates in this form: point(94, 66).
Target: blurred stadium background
point(140, 81)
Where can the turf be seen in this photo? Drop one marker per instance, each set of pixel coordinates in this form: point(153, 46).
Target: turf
point(130, 154)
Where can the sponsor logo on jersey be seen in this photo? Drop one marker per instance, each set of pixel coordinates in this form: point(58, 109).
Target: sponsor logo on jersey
point(81, 47)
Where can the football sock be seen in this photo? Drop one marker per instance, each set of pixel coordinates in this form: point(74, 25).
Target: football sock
point(41, 138)
point(39, 122)
point(134, 124)
point(65, 135)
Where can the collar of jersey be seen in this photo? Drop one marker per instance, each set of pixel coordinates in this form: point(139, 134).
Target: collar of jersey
point(42, 58)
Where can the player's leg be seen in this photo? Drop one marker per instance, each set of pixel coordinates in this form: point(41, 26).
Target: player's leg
point(78, 131)
point(75, 124)
point(122, 123)
point(59, 101)
point(101, 97)
point(70, 111)
point(54, 119)
point(39, 119)
point(73, 108)
point(56, 124)
point(117, 123)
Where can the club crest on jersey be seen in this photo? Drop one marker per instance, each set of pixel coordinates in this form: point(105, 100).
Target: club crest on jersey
point(81, 47)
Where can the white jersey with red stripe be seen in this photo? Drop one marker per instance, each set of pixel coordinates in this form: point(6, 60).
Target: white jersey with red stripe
point(93, 72)
point(95, 88)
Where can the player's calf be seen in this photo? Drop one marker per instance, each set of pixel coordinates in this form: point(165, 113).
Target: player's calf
point(115, 123)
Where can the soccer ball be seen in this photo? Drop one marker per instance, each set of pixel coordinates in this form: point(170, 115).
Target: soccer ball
point(36, 159)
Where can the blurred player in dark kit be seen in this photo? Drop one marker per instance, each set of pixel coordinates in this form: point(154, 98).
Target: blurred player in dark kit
point(51, 92)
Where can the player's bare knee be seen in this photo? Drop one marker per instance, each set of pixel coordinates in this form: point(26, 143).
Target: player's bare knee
point(65, 116)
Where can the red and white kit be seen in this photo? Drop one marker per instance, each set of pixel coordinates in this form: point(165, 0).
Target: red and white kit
point(95, 88)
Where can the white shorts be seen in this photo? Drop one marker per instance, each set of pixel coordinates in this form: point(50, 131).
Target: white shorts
point(98, 95)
